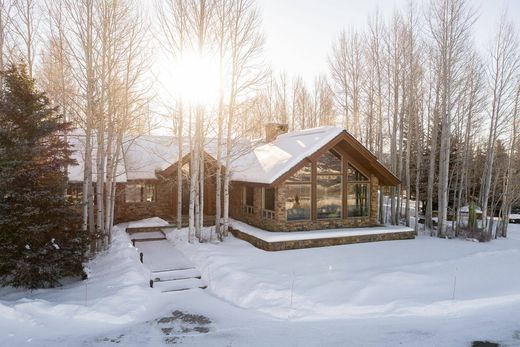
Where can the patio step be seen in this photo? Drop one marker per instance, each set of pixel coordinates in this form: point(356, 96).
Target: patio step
point(148, 236)
point(176, 285)
point(169, 275)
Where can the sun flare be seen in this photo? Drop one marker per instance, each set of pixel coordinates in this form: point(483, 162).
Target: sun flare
point(196, 79)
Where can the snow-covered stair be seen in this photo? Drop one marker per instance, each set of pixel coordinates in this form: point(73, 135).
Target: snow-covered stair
point(169, 275)
point(177, 279)
point(178, 285)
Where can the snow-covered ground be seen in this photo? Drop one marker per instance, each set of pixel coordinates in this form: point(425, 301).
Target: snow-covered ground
point(422, 292)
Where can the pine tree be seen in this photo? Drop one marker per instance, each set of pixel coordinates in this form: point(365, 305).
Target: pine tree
point(40, 231)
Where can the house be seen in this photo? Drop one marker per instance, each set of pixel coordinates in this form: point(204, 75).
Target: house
point(320, 178)
point(146, 179)
point(306, 180)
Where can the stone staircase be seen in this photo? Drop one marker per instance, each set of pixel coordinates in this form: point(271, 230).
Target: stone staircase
point(170, 270)
point(174, 280)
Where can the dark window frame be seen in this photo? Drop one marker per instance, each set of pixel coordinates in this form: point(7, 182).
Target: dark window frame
point(249, 199)
point(357, 182)
point(147, 192)
point(330, 174)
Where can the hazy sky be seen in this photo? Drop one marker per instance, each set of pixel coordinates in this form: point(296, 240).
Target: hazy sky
point(299, 33)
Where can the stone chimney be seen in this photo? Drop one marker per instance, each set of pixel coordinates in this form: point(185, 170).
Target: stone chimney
point(272, 130)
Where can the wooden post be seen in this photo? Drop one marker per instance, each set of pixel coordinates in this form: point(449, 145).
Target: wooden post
point(141, 256)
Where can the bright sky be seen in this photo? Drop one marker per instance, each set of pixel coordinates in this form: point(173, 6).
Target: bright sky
point(299, 33)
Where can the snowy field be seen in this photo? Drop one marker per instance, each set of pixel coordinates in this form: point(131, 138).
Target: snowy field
point(422, 292)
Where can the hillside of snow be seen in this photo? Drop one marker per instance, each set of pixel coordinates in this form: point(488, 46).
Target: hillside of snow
point(422, 292)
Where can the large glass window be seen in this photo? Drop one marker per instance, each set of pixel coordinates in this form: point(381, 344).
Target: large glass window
point(354, 175)
point(357, 199)
point(298, 194)
point(357, 193)
point(329, 164)
point(328, 186)
point(298, 201)
point(301, 176)
point(328, 200)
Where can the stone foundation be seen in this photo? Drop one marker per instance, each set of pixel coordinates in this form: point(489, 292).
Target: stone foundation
point(325, 242)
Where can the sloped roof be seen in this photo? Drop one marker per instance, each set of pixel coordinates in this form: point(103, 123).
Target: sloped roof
point(75, 172)
point(253, 162)
point(144, 155)
point(265, 163)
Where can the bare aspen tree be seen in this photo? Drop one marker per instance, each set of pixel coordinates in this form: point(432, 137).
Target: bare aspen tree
point(6, 10)
point(375, 61)
point(508, 190)
point(245, 45)
point(472, 100)
point(221, 41)
point(173, 22)
point(282, 91)
point(414, 129)
point(450, 22)
point(503, 69)
point(201, 21)
point(81, 50)
point(25, 27)
point(338, 66)
point(395, 73)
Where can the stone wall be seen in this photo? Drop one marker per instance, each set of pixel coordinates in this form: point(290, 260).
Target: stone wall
point(162, 206)
point(333, 241)
point(280, 222)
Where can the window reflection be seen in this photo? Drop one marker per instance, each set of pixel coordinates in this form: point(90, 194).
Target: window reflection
point(329, 164)
point(328, 200)
point(355, 175)
point(298, 201)
point(302, 175)
point(357, 199)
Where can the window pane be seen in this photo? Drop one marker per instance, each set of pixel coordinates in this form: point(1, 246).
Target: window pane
point(250, 196)
point(302, 175)
point(133, 192)
point(269, 199)
point(150, 193)
point(355, 175)
point(328, 201)
point(329, 163)
point(298, 201)
point(357, 200)
point(75, 193)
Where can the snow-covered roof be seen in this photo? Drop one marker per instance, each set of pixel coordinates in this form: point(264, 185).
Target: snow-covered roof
point(252, 161)
point(267, 162)
point(75, 172)
point(144, 155)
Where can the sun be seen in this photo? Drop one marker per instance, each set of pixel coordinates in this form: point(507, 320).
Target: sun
point(196, 79)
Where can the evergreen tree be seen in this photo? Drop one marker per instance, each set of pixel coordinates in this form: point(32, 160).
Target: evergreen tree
point(40, 231)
